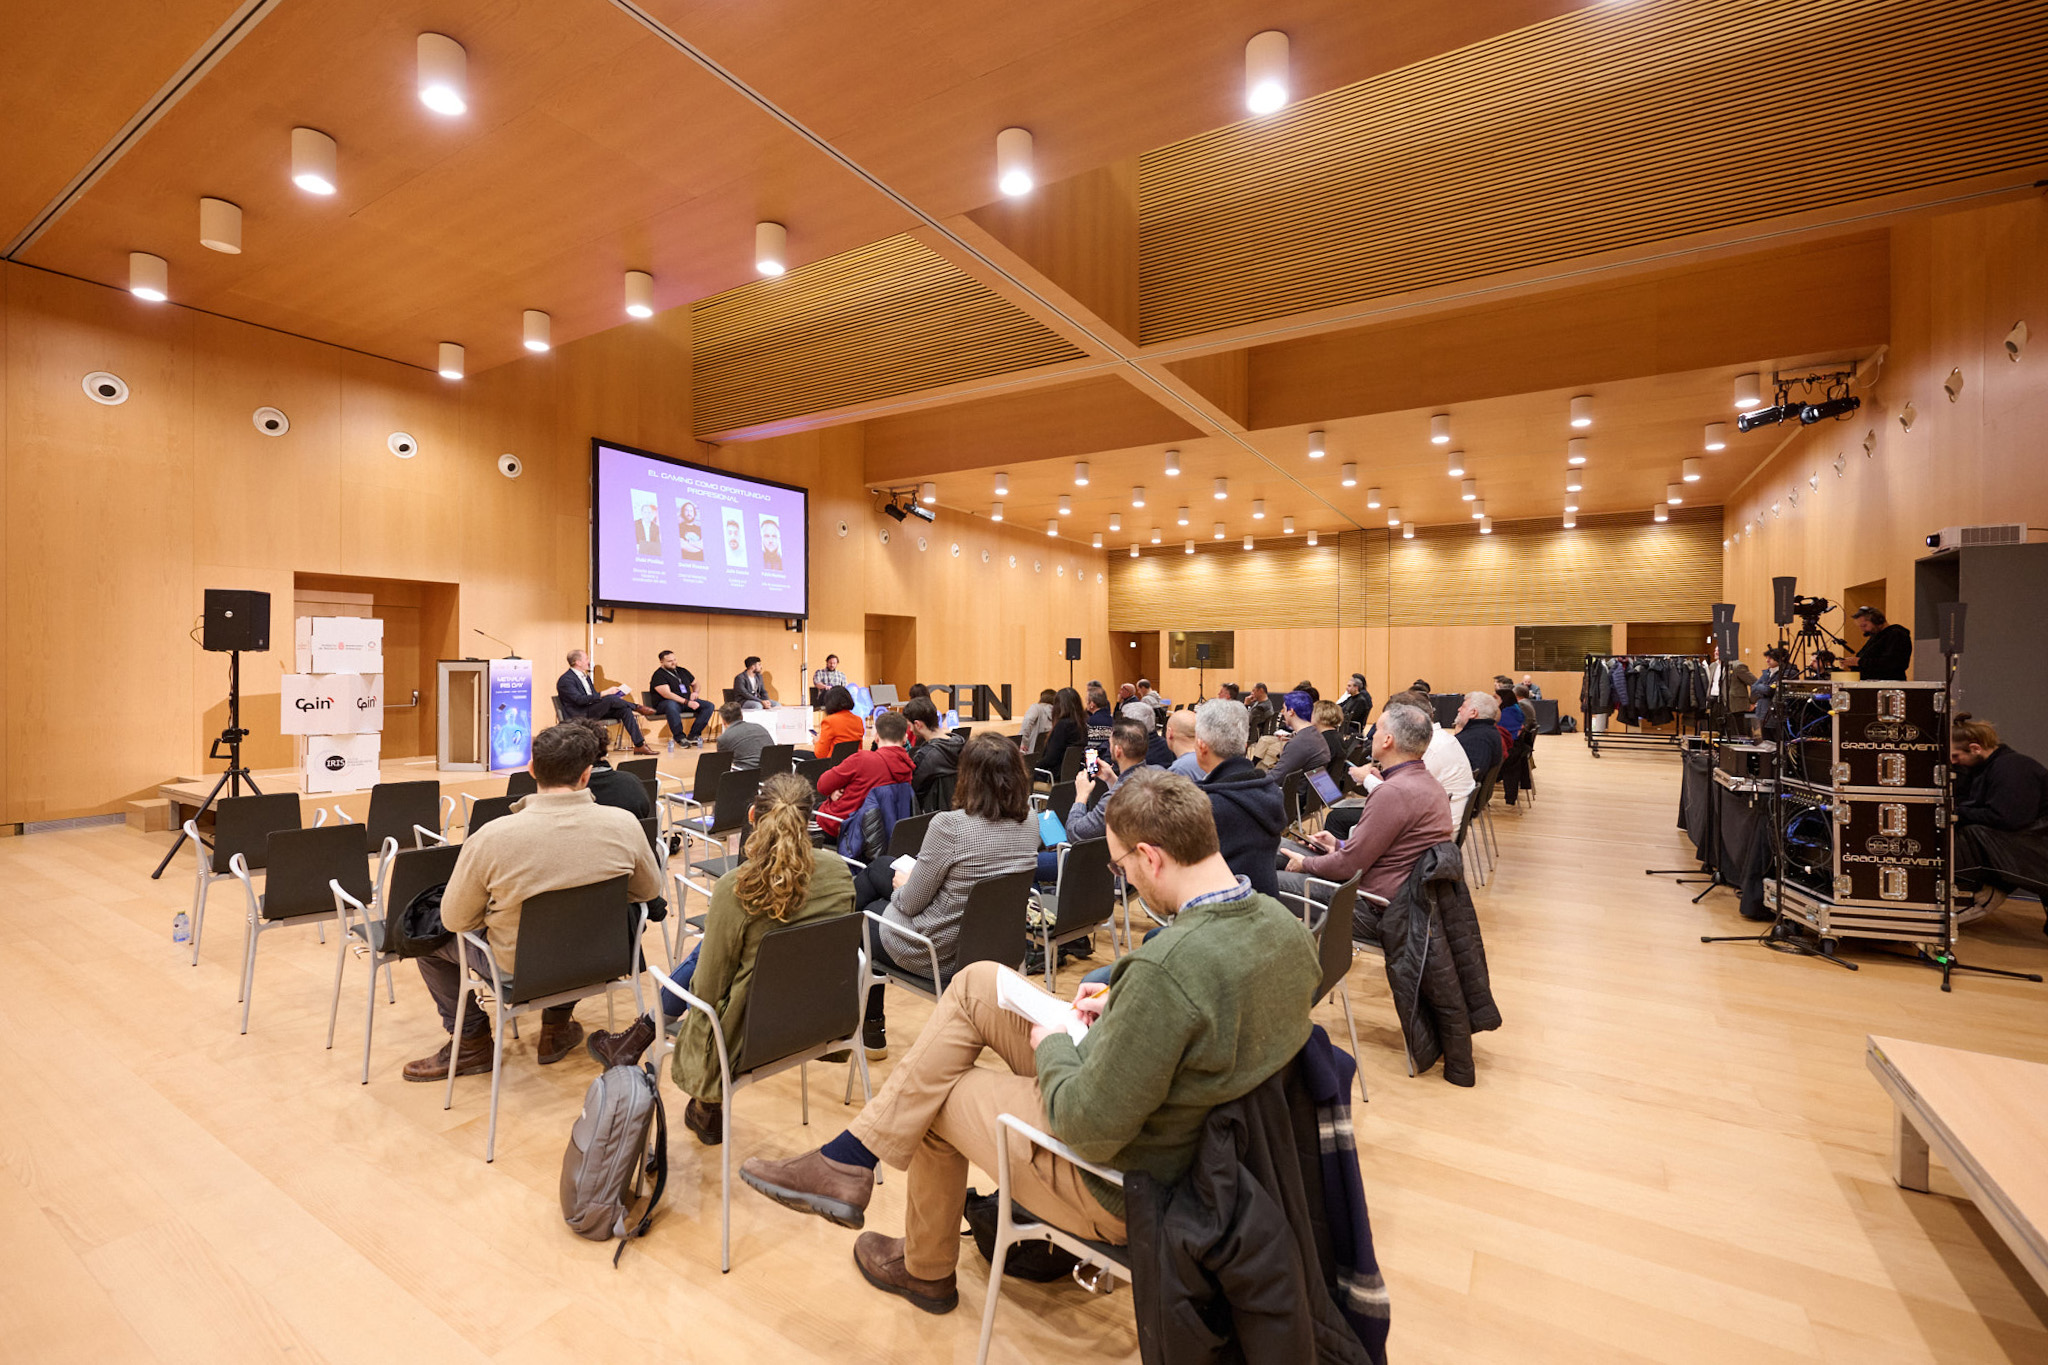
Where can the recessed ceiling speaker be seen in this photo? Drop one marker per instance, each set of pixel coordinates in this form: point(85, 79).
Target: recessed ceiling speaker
point(2016, 342)
point(401, 444)
point(509, 466)
point(270, 421)
point(101, 387)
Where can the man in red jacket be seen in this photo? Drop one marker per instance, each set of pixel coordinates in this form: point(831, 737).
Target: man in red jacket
point(847, 785)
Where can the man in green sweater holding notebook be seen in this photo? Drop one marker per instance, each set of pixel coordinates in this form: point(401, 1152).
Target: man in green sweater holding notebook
point(1200, 1014)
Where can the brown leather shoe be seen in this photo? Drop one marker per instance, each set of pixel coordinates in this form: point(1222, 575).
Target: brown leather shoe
point(814, 1183)
point(643, 751)
point(624, 1047)
point(881, 1263)
point(707, 1121)
point(558, 1041)
point(476, 1057)
point(645, 710)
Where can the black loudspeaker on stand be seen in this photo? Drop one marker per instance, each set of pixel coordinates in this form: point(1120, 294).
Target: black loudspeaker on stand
point(235, 620)
point(1201, 672)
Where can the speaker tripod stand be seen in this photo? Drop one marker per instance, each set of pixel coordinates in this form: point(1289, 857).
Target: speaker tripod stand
point(236, 775)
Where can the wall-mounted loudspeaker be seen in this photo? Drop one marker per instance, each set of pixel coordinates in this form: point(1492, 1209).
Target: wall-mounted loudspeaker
point(509, 466)
point(236, 618)
point(109, 389)
point(1073, 648)
point(402, 445)
point(270, 421)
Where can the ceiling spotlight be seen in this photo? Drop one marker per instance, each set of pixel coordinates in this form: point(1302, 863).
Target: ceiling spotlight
point(1478, 508)
point(1837, 407)
point(1013, 161)
point(1134, 549)
point(1315, 445)
point(1457, 469)
point(1372, 497)
point(1440, 429)
point(771, 249)
point(313, 161)
point(1575, 450)
point(1080, 473)
point(1582, 410)
point(1188, 548)
point(1660, 513)
point(1571, 503)
point(1116, 522)
point(893, 510)
point(1096, 540)
point(1247, 542)
point(1219, 531)
point(1573, 479)
point(1258, 509)
point(1066, 505)
point(1181, 517)
point(1138, 495)
point(220, 226)
point(1469, 489)
point(919, 510)
point(1689, 469)
point(1749, 391)
point(149, 277)
point(1348, 476)
point(1393, 516)
point(1570, 521)
point(928, 493)
point(1287, 526)
point(1222, 489)
point(1052, 528)
point(1408, 530)
point(1311, 537)
point(1002, 484)
point(451, 360)
point(995, 511)
point(1766, 417)
point(1674, 493)
point(1265, 72)
point(1717, 436)
point(443, 74)
point(639, 294)
point(539, 330)
point(1485, 526)
point(1172, 463)
point(1155, 535)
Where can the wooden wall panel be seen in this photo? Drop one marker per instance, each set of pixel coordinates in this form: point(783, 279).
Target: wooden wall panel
point(1225, 587)
point(1833, 515)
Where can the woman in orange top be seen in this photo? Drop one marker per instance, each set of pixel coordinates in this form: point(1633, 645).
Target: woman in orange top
point(841, 723)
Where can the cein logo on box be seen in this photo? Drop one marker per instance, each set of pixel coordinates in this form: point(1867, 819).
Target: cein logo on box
point(314, 703)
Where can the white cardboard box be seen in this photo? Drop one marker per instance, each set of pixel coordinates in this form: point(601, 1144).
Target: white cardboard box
point(340, 763)
point(340, 644)
point(330, 704)
point(784, 724)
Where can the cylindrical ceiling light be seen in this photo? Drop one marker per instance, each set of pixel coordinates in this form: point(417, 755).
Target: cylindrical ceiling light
point(539, 330)
point(1571, 502)
point(1372, 497)
point(1172, 463)
point(1080, 473)
point(639, 294)
point(1393, 516)
point(1440, 429)
point(1138, 495)
point(1316, 445)
point(1570, 521)
point(1247, 542)
point(1674, 493)
point(1052, 528)
point(1134, 550)
point(1478, 508)
point(1222, 489)
point(1573, 479)
point(1013, 161)
point(1311, 537)
point(1582, 410)
point(149, 277)
point(1575, 450)
point(451, 360)
point(995, 511)
point(928, 493)
point(1660, 513)
point(1749, 391)
point(220, 226)
point(1457, 469)
point(1116, 522)
point(1485, 526)
point(1258, 509)
point(1219, 531)
point(1689, 469)
point(771, 249)
point(313, 161)
point(1287, 526)
point(1407, 530)
point(1155, 535)
point(1717, 436)
point(1181, 517)
point(1066, 505)
point(1348, 476)
point(1002, 484)
point(1469, 489)
point(443, 74)
point(1096, 540)
point(1188, 548)
point(1265, 72)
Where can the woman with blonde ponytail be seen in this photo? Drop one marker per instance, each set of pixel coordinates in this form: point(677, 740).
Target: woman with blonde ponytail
point(784, 880)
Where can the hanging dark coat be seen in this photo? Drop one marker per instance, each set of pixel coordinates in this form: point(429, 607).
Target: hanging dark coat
point(1436, 965)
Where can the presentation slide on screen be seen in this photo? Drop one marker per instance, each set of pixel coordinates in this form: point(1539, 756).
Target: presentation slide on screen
point(671, 534)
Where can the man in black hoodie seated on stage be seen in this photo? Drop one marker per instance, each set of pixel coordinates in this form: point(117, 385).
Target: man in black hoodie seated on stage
point(1245, 801)
point(2001, 818)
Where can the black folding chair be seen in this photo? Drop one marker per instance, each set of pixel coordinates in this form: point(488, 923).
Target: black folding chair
point(728, 816)
point(520, 783)
point(241, 825)
point(843, 749)
point(300, 864)
point(712, 766)
point(375, 930)
point(811, 769)
point(1082, 901)
point(484, 810)
point(994, 927)
point(908, 836)
point(777, 758)
point(405, 812)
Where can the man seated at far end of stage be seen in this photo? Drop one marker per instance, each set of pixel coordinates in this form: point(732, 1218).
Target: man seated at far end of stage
point(577, 691)
point(1402, 819)
point(2001, 818)
point(1198, 1015)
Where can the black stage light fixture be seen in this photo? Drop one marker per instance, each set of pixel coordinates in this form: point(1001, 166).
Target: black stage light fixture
point(1765, 417)
point(918, 509)
point(893, 510)
point(1829, 407)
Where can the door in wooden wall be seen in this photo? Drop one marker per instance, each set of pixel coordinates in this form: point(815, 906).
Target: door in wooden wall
point(892, 651)
point(1134, 654)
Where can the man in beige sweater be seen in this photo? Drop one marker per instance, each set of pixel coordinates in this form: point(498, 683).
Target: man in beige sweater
point(554, 839)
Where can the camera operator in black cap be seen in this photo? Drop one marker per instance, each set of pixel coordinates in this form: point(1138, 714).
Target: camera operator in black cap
point(1889, 651)
point(1776, 660)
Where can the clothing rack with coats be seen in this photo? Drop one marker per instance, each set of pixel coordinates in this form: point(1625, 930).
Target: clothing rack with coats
point(1641, 690)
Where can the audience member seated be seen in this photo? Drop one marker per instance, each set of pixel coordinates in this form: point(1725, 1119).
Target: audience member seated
point(2001, 818)
point(1247, 808)
point(1180, 738)
point(1265, 715)
point(847, 784)
point(1510, 717)
point(1069, 729)
point(934, 754)
point(577, 691)
point(1514, 774)
point(1405, 816)
point(1420, 685)
point(1525, 702)
point(783, 880)
point(1535, 691)
point(1197, 1016)
point(1152, 698)
point(609, 786)
point(751, 686)
point(675, 696)
point(1128, 741)
point(1136, 707)
point(743, 739)
point(1445, 759)
point(840, 724)
point(1100, 717)
point(1308, 746)
point(1158, 749)
point(988, 833)
point(554, 839)
point(1478, 733)
point(1037, 721)
point(1357, 703)
point(1228, 692)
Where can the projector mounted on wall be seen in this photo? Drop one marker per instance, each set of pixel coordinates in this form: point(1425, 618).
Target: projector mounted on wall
point(1969, 537)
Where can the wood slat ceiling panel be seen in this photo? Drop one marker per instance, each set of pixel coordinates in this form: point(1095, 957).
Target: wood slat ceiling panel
point(882, 320)
point(1607, 128)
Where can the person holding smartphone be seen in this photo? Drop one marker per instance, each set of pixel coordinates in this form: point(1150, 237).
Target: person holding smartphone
point(1085, 819)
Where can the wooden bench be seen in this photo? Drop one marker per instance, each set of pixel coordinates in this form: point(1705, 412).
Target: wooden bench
point(1986, 1117)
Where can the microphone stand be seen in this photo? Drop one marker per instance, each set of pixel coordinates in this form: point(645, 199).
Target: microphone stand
point(510, 653)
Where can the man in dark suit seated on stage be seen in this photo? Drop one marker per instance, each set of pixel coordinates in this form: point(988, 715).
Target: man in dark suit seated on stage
point(577, 690)
point(751, 686)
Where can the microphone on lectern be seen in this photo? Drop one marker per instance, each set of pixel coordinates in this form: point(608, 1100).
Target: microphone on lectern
point(510, 653)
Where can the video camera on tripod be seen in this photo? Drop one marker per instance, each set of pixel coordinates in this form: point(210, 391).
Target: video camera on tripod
point(1812, 646)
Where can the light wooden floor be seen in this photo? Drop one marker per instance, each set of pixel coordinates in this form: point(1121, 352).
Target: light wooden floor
point(1673, 1152)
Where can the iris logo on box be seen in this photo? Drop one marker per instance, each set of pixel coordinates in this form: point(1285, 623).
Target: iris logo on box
point(335, 763)
point(314, 703)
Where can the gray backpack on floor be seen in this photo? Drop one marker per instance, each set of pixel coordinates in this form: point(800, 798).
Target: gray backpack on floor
point(608, 1157)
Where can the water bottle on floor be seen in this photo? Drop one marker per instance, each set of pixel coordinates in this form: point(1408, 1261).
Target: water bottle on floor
point(181, 928)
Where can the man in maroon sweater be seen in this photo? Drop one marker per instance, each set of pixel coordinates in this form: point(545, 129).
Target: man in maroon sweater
point(1404, 816)
point(845, 786)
